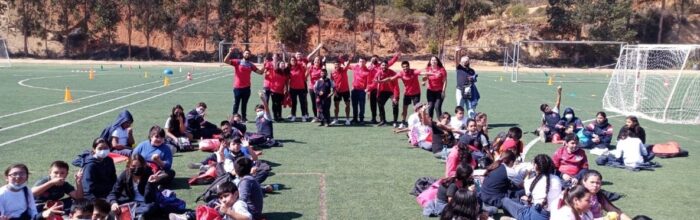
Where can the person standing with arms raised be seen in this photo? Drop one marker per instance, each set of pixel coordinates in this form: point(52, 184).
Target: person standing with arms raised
point(436, 76)
point(467, 95)
point(241, 80)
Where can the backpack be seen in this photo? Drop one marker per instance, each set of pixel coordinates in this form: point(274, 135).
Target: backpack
point(207, 213)
point(169, 203)
point(669, 150)
point(422, 184)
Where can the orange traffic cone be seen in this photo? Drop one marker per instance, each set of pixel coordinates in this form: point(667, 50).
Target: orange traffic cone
point(67, 97)
point(91, 75)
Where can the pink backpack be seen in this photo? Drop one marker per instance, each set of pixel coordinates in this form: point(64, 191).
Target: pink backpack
point(428, 194)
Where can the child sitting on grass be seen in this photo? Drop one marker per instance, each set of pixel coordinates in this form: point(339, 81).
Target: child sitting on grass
point(54, 187)
point(229, 203)
point(570, 160)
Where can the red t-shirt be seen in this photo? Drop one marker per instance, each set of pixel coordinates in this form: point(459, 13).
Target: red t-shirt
point(278, 81)
point(359, 77)
point(436, 81)
point(386, 86)
point(410, 82)
point(372, 77)
point(314, 75)
point(297, 79)
point(340, 78)
point(570, 163)
point(242, 69)
point(268, 65)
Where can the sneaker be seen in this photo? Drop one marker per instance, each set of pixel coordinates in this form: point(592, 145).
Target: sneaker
point(542, 136)
point(401, 125)
point(322, 124)
point(373, 121)
point(347, 122)
point(314, 120)
point(245, 120)
point(175, 216)
point(292, 118)
point(303, 118)
point(334, 122)
point(396, 125)
point(194, 166)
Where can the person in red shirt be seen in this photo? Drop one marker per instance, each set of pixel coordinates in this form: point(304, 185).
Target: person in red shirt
point(297, 88)
point(313, 72)
point(241, 80)
point(340, 78)
point(570, 160)
point(360, 75)
point(411, 86)
point(278, 73)
point(436, 76)
point(385, 89)
point(375, 68)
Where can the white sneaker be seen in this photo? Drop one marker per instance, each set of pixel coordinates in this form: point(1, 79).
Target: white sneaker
point(293, 118)
point(303, 118)
point(542, 136)
point(314, 120)
point(347, 122)
point(334, 122)
point(402, 126)
point(599, 151)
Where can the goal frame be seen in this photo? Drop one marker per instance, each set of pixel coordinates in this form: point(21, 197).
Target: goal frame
point(684, 67)
point(518, 45)
point(6, 62)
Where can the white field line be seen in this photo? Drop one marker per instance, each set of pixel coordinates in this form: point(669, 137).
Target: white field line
point(60, 103)
point(22, 83)
point(84, 107)
point(105, 112)
point(534, 141)
point(323, 210)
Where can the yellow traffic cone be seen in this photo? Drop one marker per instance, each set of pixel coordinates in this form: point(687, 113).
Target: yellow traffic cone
point(550, 81)
point(145, 74)
point(91, 75)
point(166, 81)
point(67, 97)
point(501, 78)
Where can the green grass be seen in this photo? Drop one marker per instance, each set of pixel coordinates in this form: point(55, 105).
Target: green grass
point(363, 172)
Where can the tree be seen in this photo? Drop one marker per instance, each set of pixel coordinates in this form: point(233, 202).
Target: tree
point(108, 17)
point(469, 11)
point(351, 11)
point(28, 17)
point(560, 17)
point(146, 11)
point(170, 21)
point(129, 25)
point(294, 18)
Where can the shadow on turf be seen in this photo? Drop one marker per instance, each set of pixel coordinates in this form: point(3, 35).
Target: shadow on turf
point(180, 183)
point(290, 141)
point(282, 215)
point(503, 125)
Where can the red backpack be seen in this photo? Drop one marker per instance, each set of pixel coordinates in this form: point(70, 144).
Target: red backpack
point(669, 150)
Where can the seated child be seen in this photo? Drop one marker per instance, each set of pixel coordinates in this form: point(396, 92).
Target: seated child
point(263, 122)
point(158, 154)
point(458, 122)
point(630, 151)
point(574, 205)
point(569, 119)
point(570, 160)
point(592, 180)
point(600, 131)
point(136, 184)
point(550, 118)
point(512, 142)
point(99, 173)
point(100, 210)
point(119, 134)
point(54, 187)
point(197, 124)
point(250, 191)
point(175, 129)
point(448, 187)
point(81, 209)
point(230, 206)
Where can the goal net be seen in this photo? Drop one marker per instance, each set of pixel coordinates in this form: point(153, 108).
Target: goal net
point(660, 83)
point(259, 51)
point(4, 55)
point(549, 61)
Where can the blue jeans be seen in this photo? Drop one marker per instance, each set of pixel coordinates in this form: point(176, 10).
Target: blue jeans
point(520, 211)
point(434, 208)
point(358, 98)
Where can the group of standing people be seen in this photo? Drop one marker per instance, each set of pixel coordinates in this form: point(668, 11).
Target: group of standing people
point(289, 82)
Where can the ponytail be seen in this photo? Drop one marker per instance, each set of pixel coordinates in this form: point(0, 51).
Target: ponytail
point(506, 157)
point(575, 192)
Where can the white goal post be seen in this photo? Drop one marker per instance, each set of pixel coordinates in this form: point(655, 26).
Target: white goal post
point(4, 54)
point(546, 56)
point(657, 82)
point(260, 51)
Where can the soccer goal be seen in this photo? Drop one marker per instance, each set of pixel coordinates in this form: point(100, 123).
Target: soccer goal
point(4, 54)
point(660, 83)
point(260, 51)
point(547, 61)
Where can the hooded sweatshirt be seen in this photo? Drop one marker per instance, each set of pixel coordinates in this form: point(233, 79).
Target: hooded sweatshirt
point(124, 116)
point(565, 123)
point(99, 177)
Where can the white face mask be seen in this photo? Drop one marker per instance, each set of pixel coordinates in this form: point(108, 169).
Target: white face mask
point(260, 113)
point(16, 186)
point(200, 110)
point(569, 116)
point(101, 154)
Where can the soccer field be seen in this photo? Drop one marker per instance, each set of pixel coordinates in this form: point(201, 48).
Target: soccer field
point(328, 173)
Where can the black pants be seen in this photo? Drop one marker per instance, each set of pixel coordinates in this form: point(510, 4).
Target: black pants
point(267, 93)
point(313, 96)
point(434, 102)
point(395, 109)
point(206, 131)
point(358, 104)
point(383, 98)
point(300, 96)
point(277, 100)
point(240, 99)
point(373, 103)
point(324, 104)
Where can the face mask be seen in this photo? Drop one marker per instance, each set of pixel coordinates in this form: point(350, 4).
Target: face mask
point(259, 114)
point(139, 171)
point(569, 116)
point(101, 154)
point(16, 187)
